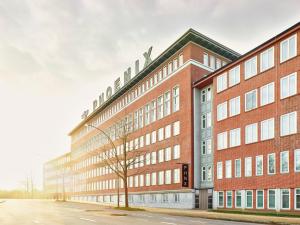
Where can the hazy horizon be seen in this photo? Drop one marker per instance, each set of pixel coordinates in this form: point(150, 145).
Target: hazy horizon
point(57, 56)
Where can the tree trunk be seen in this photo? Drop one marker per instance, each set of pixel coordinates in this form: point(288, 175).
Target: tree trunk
point(126, 192)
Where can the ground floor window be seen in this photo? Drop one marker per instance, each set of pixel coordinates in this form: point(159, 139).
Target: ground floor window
point(220, 199)
point(260, 199)
point(285, 199)
point(176, 198)
point(238, 199)
point(271, 199)
point(249, 199)
point(229, 199)
point(297, 198)
point(165, 198)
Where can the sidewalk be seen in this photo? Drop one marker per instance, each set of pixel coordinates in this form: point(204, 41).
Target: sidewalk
point(226, 216)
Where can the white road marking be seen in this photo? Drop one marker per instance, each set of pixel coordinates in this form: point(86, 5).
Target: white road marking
point(169, 223)
point(88, 220)
point(197, 221)
point(169, 218)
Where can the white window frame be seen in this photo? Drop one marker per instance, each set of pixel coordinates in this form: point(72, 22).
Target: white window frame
point(270, 90)
point(219, 170)
point(221, 82)
point(291, 90)
point(228, 169)
point(270, 123)
point(268, 198)
point(281, 191)
point(224, 138)
point(234, 76)
point(254, 136)
point(295, 198)
point(269, 53)
point(296, 152)
point(227, 206)
point(251, 61)
point(268, 171)
point(292, 126)
point(235, 137)
point(222, 111)
point(247, 198)
point(235, 168)
point(252, 108)
point(289, 56)
point(246, 167)
point(259, 157)
point(288, 161)
point(235, 106)
point(263, 196)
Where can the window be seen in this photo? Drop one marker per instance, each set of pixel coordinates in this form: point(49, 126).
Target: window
point(259, 165)
point(249, 199)
point(153, 178)
point(218, 63)
point(267, 129)
point(235, 137)
point(208, 146)
point(220, 199)
point(136, 123)
point(288, 48)
point(180, 60)
point(176, 153)
point(153, 158)
point(238, 172)
point(284, 162)
point(222, 140)
point(285, 198)
point(176, 128)
point(221, 82)
point(160, 107)
point(170, 67)
point(175, 64)
point(164, 71)
point(267, 59)
point(288, 124)
point(250, 100)
point(167, 131)
point(161, 177)
point(168, 154)
point(176, 102)
point(271, 164)
point(167, 104)
point(222, 111)
point(141, 180)
point(267, 94)
point(288, 85)
point(234, 106)
point(251, 133)
point(161, 156)
point(205, 59)
point(238, 199)
point(148, 159)
point(168, 177)
point(161, 134)
point(259, 199)
point(212, 62)
point(148, 179)
point(153, 111)
point(250, 67)
point(148, 137)
point(153, 137)
point(228, 169)
point(297, 198)
point(271, 199)
point(147, 114)
point(141, 118)
point(209, 173)
point(176, 174)
point(234, 76)
point(219, 170)
point(248, 167)
point(203, 172)
point(229, 199)
point(297, 160)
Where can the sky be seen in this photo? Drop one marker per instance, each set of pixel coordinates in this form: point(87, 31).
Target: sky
point(57, 56)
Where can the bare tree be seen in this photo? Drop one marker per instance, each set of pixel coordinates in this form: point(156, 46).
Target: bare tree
point(121, 160)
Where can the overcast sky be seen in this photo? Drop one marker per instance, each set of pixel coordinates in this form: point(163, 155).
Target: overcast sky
point(56, 56)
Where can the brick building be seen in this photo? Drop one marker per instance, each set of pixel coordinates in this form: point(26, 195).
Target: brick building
point(58, 177)
point(256, 107)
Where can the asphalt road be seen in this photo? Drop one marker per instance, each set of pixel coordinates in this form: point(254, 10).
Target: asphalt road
point(32, 212)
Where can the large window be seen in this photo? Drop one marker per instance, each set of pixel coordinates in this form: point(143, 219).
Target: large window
point(228, 199)
point(259, 165)
point(288, 85)
point(267, 59)
point(228, 169)
point(297, 198)
point(267, 94)
point(153, 158)
point(141, 118)
point(297, 160)
point(222, 111)
point(251, 100)
point(234, 106)
point(219, 170)
point(222, 140)
point(288, 48)
point(160, 107)
point(209, 173)
point(161, 177)
point(220, 199)
point(168, 154)
point(284, 162)
point(206, 120)
point(176, 102)
point(267, 129)
point(285, 199)
point(248, 167)
point(153, 111)
point(205, 59)
point(238, 168)
point(168, 177)
point(153, 178)
point(288, 124)
point(259, 199)
point(271, 164)
point(234, 76)
point(238, 199)
point(271, 199)
point(176, 128)
point(249, 199)
point(250, 67)
point(147, 114)
point(167, 104)
point(235, 137)
point(221, 82)
point(176, 152)
point(176, 176)
point(251, 133)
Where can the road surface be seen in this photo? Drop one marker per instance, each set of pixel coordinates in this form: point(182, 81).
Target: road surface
point(39, 212)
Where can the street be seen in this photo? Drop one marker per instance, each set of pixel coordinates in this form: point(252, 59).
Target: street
point(28, 212)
